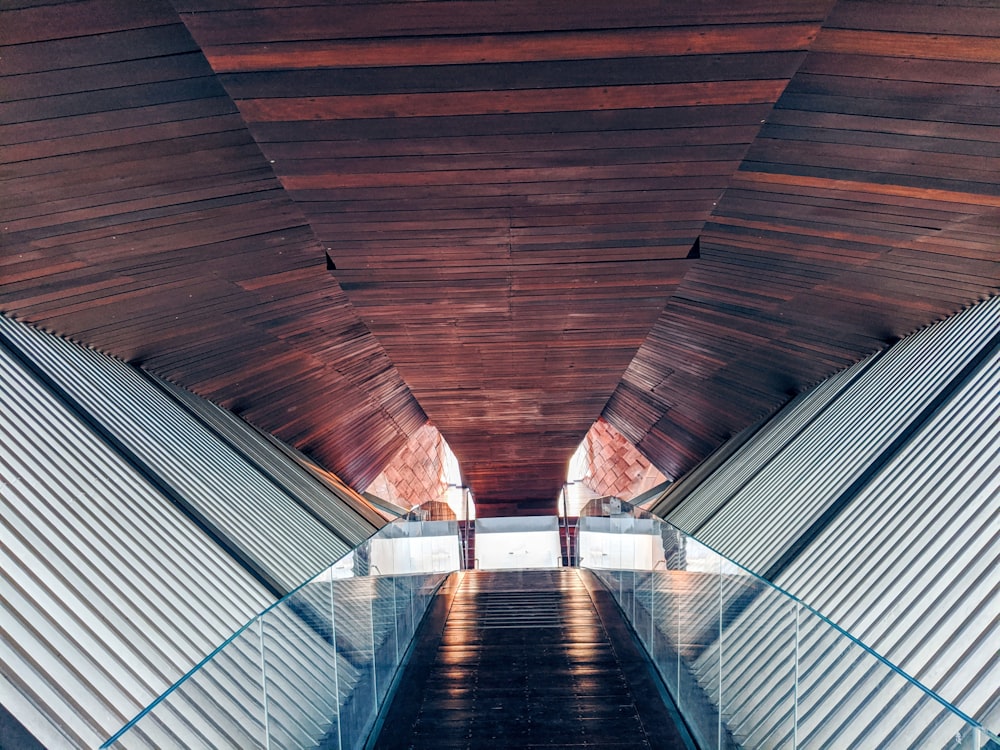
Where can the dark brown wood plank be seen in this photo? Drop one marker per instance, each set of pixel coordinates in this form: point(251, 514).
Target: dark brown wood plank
point(87, 17)
point(510, 48)
point(493, 77)
point(510, 197)
point(381, 20)
point(532, 197)
point(139, 216)
point(506, 102)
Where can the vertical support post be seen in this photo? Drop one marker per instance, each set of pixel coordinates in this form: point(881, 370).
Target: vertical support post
point(465, 528)
point(722, 648)
point(371, 619)
point(652, 608)
point(795, 684)
point(679, 649)
point(652, 615)
point(569, 544)
point(395, 616)
point(263, 683)
point(336, 666)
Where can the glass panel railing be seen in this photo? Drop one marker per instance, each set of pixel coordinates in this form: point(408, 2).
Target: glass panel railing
point(517, 543)
point(748, 664)
point(314, 669)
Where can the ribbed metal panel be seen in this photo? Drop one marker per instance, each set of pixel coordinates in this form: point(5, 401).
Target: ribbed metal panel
point(908, 566)
point(109, 592)
point(773, 510)
point(376, 514)
point(788, 679)
point(231, 703)
point(665, 499)
point(930, 605)
point(716, 490)
point(333, 509)
point(286, 542)
point(310, 672)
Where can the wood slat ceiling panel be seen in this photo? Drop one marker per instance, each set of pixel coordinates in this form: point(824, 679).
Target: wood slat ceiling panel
point(510, 195)
point(249, 22)
point(139, 216)
point(867, 207)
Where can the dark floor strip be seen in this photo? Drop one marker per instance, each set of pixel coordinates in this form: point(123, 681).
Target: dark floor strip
point(528, 659)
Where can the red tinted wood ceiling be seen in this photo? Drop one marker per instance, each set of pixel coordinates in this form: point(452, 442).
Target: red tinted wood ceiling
point(510, 194)
point(868, 205)
point(509, 191)
point(139, 216)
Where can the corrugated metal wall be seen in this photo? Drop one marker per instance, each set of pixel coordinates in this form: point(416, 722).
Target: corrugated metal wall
point(786, 481)
point(345, 514)
point(913, 569)
point(310, 672)
point(141, 527)
point(110, 593)
point(878, 504)
point(715, 490)
point(283, 542)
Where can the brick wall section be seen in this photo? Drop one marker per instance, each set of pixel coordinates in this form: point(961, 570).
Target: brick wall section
point(416, 474)
point(614, 466)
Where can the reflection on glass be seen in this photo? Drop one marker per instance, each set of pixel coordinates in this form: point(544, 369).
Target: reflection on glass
point(315, 668)
point(747, 664)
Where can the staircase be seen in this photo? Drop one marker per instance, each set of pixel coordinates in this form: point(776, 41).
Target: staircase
point(568, 541)
point(467, 538)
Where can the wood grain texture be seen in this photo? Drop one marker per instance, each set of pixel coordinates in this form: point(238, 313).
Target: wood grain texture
point(139, 216)
point(866, 208)
point(508, 48)
point(509, 196)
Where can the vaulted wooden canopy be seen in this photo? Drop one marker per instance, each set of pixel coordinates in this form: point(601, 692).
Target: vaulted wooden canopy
point(511, 217)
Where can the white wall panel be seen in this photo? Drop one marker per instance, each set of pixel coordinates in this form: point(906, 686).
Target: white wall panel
point(908, 563)
point(109, 593)
point(517, 543)
point(256, 517)
point(343, 514)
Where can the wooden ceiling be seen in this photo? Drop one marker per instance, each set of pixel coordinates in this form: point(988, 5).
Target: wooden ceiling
point(868, 206)
point(341, 219)
point(139, 216)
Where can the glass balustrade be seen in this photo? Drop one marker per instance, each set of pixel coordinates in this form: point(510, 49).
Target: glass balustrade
point(749, 665)
point(314, 669)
